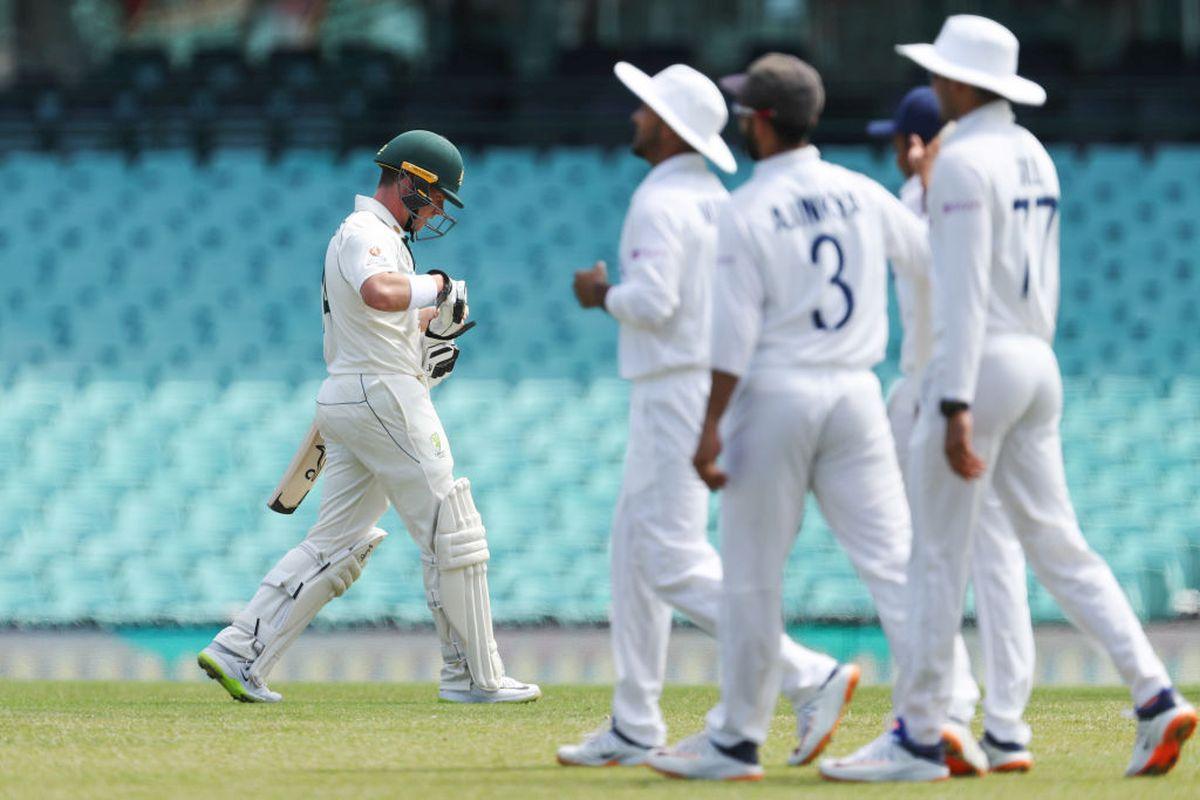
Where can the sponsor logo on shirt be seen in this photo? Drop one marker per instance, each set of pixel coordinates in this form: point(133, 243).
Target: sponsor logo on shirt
point(960, 205)
point(644, 252)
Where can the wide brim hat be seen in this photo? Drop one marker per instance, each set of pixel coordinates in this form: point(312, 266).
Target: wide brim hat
point(709, 145)
point(979, 52)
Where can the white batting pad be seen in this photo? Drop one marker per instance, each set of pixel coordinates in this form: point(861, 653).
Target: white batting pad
point(460, 548)
point(290, 596)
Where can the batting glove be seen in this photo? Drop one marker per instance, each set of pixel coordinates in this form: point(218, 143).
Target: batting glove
point(452, 310)
point(438, 360)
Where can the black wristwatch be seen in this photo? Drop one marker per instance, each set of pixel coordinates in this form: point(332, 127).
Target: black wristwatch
point(950, 408)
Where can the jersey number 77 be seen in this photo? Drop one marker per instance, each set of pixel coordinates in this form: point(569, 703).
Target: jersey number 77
point(1028, 214)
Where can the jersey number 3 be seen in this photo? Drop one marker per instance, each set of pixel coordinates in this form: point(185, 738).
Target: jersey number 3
point(817, 317)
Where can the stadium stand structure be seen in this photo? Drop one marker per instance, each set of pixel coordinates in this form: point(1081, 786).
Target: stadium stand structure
point(160, 348)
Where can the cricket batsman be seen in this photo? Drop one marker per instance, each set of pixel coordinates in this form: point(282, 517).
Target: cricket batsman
point(661, 557)
point(388, 337)
point(990, 406)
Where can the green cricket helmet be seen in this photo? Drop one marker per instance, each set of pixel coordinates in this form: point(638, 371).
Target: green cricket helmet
point(431, 162)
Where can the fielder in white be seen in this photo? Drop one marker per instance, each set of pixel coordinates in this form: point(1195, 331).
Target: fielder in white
point(799, 319)
point(661, 557)
point(997, 561)
point(991, 404)
point(384, 442)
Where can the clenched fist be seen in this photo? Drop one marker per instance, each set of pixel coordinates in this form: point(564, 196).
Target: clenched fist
point(591, 285)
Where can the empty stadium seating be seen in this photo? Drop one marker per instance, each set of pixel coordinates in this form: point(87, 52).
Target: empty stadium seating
point(160, 346)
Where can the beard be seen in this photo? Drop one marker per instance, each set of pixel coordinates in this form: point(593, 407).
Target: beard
point(644, 141)
point(752, 149)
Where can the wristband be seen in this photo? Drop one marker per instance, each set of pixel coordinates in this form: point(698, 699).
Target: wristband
point(424, 290)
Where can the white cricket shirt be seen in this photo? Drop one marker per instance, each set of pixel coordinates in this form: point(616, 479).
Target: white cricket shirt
point(358, 338)
point(667, 252)
point(801, 276)
point(913, 298)
point(994, 222)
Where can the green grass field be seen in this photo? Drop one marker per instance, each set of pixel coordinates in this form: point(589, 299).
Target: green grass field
point(162, 740)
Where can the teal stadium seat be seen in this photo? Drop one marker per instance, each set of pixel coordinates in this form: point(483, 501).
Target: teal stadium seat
point(160, 349)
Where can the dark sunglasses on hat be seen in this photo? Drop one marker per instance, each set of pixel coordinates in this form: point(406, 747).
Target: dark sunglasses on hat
point(746, 111)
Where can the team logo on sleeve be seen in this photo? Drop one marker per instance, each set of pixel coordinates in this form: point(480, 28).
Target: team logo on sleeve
point(375, 250)
point(435, 439)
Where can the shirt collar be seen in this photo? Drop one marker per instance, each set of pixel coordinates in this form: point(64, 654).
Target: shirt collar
point(788, 159)
point(995, 112)
point(364, 203)
point(681, 162)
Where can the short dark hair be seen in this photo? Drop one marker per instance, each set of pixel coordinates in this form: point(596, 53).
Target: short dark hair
point(388, 177)
point(790, 134)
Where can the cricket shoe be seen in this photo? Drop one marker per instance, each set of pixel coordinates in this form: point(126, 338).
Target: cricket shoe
point(964, 757)
point(1005, 756)
point(889, 758)
point(234, 675)
point(604, 747)
point(818, 718)
point(697, 758)
point(511, 691)
point(1164, 724)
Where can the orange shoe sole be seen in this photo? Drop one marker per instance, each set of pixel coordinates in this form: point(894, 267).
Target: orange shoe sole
point(850, 687)
point(958, 766)
point(1167, 752)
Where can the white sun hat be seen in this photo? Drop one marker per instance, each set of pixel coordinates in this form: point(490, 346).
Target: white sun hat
point(980, 52)
point(689, 103)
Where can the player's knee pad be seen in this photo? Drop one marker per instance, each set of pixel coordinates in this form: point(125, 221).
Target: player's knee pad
point(461, 555)
point(292, 593)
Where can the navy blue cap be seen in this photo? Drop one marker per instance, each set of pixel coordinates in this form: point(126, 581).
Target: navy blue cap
point(917, 113)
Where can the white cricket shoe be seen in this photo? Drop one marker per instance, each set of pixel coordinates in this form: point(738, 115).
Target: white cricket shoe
point(818, 718)
point(964, 757)
point(1160, 738)
point(511, 691)
point(697, 758)
point(884, 759)
point(234, 675)
point(1005, 756)
point(604, 747)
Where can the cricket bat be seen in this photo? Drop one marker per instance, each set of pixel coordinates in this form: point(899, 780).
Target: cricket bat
point(300, 475)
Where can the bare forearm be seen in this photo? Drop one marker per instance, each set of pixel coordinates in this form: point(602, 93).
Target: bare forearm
point(723, 386)
point(392, 291)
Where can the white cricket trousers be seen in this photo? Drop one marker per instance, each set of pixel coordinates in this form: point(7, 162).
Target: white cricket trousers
point(1017, 408)
point(384, 443)
point(789, 432)
point(661, 557)
point(1001, 595)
